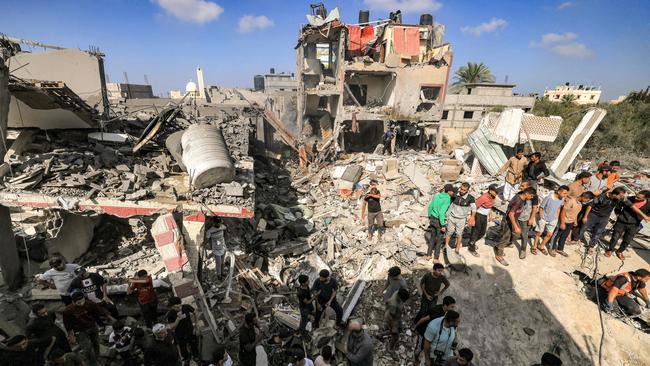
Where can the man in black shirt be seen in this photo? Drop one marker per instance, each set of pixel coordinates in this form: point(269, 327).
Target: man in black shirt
point(181, 319)
point(161, 352)
point(375, 217)
point(325, 288)
point(93, 286)
point(248, 340)
point(535, 169)
point(305, 301)
point(430, 285)
point(422, 319)
point(622, 288)
point(42, 327)
point(628, 222)
point(597, 214)
point(20, 351)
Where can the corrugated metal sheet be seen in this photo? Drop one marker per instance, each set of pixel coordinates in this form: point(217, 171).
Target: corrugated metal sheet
point(490, 154)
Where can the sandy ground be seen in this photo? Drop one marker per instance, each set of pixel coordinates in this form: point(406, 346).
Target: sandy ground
point(496, 304)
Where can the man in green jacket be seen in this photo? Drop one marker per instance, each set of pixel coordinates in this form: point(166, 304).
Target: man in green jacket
point(437, 212)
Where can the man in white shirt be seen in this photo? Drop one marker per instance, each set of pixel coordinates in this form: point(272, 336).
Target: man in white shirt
point(439, 338)
point(215, 235)
point(60, 275)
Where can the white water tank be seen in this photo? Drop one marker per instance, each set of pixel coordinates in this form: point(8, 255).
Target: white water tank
point(206, 156)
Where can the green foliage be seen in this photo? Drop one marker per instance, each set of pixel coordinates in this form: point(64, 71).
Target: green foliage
point(473, 73)
point(623, 133)
point(568, 98)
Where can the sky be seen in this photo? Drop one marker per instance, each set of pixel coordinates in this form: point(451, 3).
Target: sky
point(535, 44)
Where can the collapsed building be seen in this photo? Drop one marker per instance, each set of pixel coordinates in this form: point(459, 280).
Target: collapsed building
point(362, 78)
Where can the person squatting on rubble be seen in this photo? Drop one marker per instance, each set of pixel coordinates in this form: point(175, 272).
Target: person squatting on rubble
point(372, 201)
point(305, 302)
point(464, 358)
point(568, 219)
point(42, 327)
point(161, 351)
point(549, 213)
point(628, 223)
point(60, 275)
point(461, 212)
point(440, 339)
point(536, 169)
point(437, 213)
point(216, 236)
point(430, 285)
point(394, 282)
point(514, 169)
point(249, 338)
point(325, 288)
point(422, 320)
point(510, 225)
point(358, 348)
point(482, 217)
point(393, 316)
point(619, 288)
point(181, 320)
point(93, 286)
point(121, 340)
point(81, 319)
point(147, 298)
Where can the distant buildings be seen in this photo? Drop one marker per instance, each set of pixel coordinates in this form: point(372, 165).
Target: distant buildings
point(197, 91)
point(118, 91)
point(273, 82)
point(583, 94)
point(462, 112)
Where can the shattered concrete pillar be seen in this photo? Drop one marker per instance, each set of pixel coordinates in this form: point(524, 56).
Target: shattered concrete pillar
point(4, 102)
point(9, 262)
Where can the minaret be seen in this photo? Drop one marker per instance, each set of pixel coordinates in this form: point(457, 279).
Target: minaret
point(201, 86)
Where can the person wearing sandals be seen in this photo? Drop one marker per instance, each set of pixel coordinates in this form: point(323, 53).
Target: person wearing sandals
point(568, 219)
point(510, 224)
point(549, 213)
point(483, 216)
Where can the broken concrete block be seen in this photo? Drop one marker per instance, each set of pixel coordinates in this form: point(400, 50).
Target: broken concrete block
point(418, 178)
point(352, 173)
point(352, 298)
point(123, 168)
point(234, 190)
point(137, 195)
point(288, 317)
point(391, 169)
point(450, 169)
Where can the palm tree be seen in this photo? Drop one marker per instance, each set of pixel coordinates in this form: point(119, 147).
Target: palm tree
point(568, 99)
point(473, 73)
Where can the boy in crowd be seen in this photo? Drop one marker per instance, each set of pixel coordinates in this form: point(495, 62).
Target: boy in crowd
point(549, 212)
point(483, 216)
point(568, 219)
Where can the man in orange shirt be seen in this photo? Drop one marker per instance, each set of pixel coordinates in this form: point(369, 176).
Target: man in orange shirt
point(614, 176)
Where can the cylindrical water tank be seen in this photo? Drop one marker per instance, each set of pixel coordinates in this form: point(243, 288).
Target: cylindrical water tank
point(258, 82)
point(426, 19)
point(364, 16)
point(206, 156)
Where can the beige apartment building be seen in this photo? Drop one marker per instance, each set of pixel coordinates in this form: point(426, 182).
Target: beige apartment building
point(584, 94)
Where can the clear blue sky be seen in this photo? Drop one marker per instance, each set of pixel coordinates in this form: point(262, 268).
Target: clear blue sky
point(534, 43)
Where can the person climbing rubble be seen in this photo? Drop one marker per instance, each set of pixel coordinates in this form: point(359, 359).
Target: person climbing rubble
point(422, 320)
point(549, 213)
point(305, 302)
point(514, 169)
point(437, 212)
point(393, 317)
point(216, 236)
point(358, 348)
point(325, 288)
point(440, 339)
point(372, 204)
point(59, 276)
point(628, 222)
point(622, 288)
point(430, 285)
point(483, 216)
point(147, 298)
point(510, 225)
point(461, 212)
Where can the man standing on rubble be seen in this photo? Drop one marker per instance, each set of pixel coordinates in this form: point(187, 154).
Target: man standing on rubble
point(438, 219)
point(161, 351)
point(615, 175)
point(526, 220)
point(461, 212)
point(147, 298)
point(388, 137)
point(430, 287)
point(372, 201)
point(394, 282)
point(393, 316)
point(510, 225)
point(216, 235)
point(324, 289)
point(42, 326)
point(181, 319)
point(619, 288)
point(422, 320)
point(598, 182)
point(305, 302)
point(514, 169)
point(549, 213)
point(61, 275)
point(579, 185)
point(483, 216)
point(249, 338)
point(536, 169)
point(628, 222)
point(93, 285)
point(81, 319)
point(358, 348)
point(440, 339)
point(568, 219)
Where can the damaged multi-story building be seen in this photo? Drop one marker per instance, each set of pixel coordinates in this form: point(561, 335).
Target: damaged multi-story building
point(361, 79)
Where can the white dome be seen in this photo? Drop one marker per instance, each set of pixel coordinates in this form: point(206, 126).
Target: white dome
point(190, 87)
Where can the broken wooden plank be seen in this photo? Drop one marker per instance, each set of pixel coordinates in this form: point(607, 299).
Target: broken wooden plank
point(352, 298)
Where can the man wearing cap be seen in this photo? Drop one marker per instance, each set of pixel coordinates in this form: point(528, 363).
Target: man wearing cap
point(437, 219)
point(483, 215)
point(60, 275)
point(161, 351)
point(93, 286)
point(81, 319)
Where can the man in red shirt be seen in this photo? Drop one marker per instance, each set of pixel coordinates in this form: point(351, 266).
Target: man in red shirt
point(81, 319)
point(147, 298)
point(484, 206)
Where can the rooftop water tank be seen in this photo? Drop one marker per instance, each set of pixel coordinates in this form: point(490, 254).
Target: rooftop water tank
point(206, 156)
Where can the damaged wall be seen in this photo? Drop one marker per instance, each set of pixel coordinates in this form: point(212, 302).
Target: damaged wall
point(79, 70)
point(4, 101)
